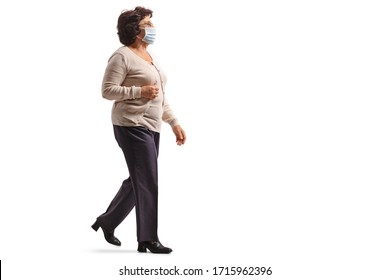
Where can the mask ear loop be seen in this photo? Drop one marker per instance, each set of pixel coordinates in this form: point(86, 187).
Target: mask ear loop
point(140, 37)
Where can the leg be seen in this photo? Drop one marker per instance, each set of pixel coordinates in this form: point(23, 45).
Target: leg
point(119, 207)
point(140, 148)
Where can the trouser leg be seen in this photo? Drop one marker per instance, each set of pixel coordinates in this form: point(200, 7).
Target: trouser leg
point(140, 147)
point(119, 207)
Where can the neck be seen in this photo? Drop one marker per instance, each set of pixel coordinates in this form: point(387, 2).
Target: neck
point(139, 45)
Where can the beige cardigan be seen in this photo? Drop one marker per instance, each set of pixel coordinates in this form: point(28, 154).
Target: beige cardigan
point(124, 76)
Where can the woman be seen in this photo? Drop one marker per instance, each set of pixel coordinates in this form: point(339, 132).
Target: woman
point(135, 82)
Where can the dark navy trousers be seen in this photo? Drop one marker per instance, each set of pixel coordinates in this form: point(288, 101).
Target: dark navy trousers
point(140, 147)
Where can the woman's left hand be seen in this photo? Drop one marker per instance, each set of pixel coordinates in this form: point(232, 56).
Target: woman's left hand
point(180, 135)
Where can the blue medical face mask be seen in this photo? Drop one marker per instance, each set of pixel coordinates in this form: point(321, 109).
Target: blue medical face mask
point(150, 35)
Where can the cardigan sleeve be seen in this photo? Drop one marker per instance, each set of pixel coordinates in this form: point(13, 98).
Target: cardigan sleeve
point(114, 75)
point(168, 115)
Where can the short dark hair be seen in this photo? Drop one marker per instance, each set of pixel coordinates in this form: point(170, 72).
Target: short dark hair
point(128, 24)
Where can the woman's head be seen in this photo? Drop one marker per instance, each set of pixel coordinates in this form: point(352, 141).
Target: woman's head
point(129, 24)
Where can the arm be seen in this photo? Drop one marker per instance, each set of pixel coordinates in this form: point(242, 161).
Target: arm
point(170, 118)
point(114, 76)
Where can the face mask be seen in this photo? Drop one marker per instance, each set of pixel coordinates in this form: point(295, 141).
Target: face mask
point(150, 35)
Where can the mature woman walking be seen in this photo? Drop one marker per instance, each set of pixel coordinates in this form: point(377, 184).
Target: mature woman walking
point(135, 81)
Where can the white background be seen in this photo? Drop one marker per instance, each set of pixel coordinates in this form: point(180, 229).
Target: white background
point(286, 109)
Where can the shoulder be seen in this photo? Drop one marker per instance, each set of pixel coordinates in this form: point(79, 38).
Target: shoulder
point(122, 51)
point(123, 54)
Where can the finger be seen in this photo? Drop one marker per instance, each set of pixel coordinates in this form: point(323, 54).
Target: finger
point(180, 141)
point(182, 135)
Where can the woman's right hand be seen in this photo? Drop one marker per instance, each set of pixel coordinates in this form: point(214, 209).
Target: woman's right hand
point(149, 92)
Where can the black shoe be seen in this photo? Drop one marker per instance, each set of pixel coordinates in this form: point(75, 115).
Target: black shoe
point(109, 236)
point(154, 247)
